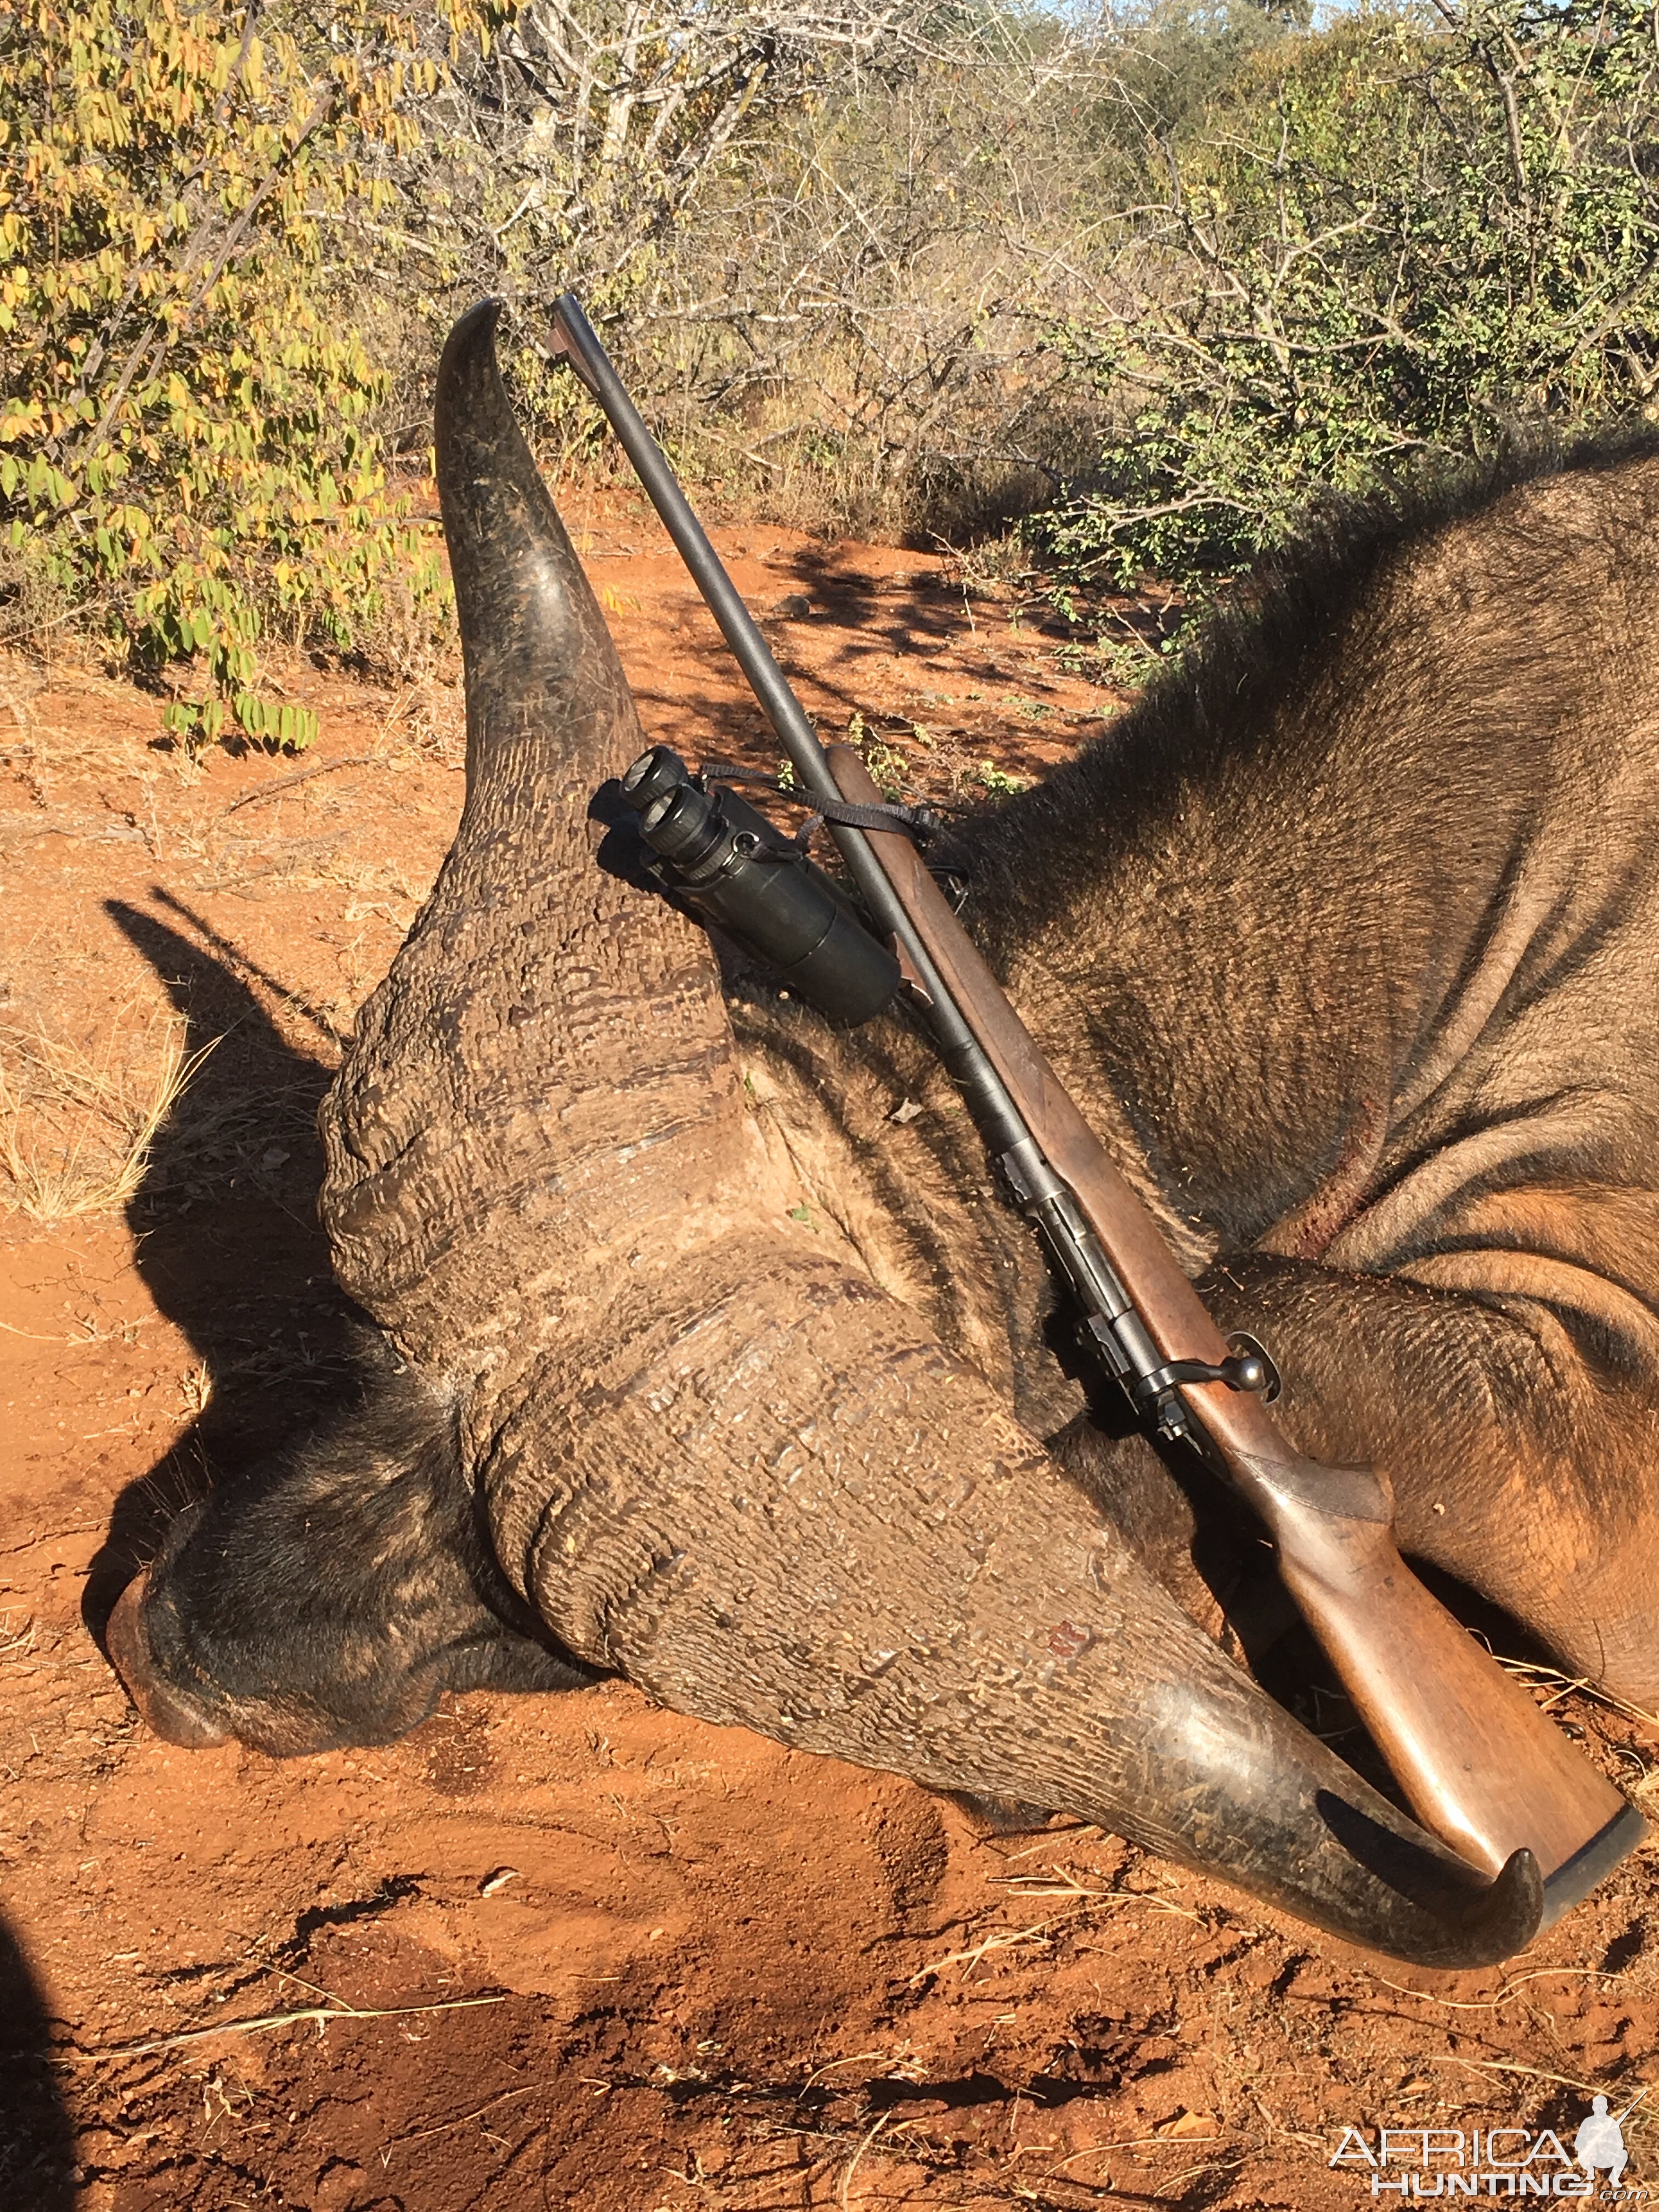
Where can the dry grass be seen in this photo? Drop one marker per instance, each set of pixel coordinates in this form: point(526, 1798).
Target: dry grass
point(1536, 1676)
point(77, 1126)
point(335, 2009)
point(427, 720)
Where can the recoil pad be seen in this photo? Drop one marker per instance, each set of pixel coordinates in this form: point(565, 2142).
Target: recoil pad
point(729, 864)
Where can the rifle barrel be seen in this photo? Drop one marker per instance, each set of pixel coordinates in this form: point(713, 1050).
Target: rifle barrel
point(577, 341)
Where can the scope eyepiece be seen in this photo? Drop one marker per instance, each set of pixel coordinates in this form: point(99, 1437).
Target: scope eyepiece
point(688, 827)
point(731, 865)
point(653, 776)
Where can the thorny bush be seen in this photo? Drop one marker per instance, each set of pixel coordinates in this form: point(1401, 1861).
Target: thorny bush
point(1376, 252)
point(1163, 275)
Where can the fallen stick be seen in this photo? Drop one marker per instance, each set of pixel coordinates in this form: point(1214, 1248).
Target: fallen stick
point(320, 2013)
point(300, 776)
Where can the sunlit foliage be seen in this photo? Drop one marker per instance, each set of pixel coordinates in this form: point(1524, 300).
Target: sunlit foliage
point(183, 393)
point(1376, 250)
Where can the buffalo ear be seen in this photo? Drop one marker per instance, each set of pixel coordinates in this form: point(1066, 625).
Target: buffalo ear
point(329, 1594)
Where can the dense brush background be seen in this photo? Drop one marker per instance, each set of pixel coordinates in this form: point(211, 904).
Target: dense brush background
point(1126, 289)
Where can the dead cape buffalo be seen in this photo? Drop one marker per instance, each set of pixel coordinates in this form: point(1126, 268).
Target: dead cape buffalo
point(709, 1365)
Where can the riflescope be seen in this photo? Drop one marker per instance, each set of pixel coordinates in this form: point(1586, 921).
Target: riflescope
point(727, 862)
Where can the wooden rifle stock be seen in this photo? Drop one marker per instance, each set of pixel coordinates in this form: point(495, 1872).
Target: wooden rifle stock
point(1477, 1760)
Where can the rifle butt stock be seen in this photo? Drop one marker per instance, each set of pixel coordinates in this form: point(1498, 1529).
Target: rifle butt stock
point(1478, 1762)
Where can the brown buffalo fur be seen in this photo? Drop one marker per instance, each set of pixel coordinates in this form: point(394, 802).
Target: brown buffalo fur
point(353, 1574)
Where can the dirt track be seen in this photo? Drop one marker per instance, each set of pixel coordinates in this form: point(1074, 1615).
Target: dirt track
point(569, 1951)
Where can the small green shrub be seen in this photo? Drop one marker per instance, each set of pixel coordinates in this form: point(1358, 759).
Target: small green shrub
point(187, 440)
point(997, 780)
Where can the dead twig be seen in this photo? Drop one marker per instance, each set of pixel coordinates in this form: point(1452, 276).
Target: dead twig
point(1489, 2004)
point(1537, 1676)
point(1131, 2142)
point(830, 2064)
point(321, 2014)
point(300, 776)
point(1510, 2066)
point(853, 2162)
point(445, 2127)
point(1007, 1939)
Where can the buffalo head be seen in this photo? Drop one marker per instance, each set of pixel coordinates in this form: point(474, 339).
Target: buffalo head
point(638, 1413)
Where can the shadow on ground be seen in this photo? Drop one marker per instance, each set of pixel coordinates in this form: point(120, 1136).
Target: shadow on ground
point(37, 2155)
point(226, 1233)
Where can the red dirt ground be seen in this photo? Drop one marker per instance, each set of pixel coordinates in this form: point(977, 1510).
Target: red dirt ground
point(569, 1951)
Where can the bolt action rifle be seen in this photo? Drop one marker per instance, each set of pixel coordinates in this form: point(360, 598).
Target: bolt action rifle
point(1478, 1761)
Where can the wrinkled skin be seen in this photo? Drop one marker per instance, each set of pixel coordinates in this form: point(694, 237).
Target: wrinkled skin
point(1344, 943)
